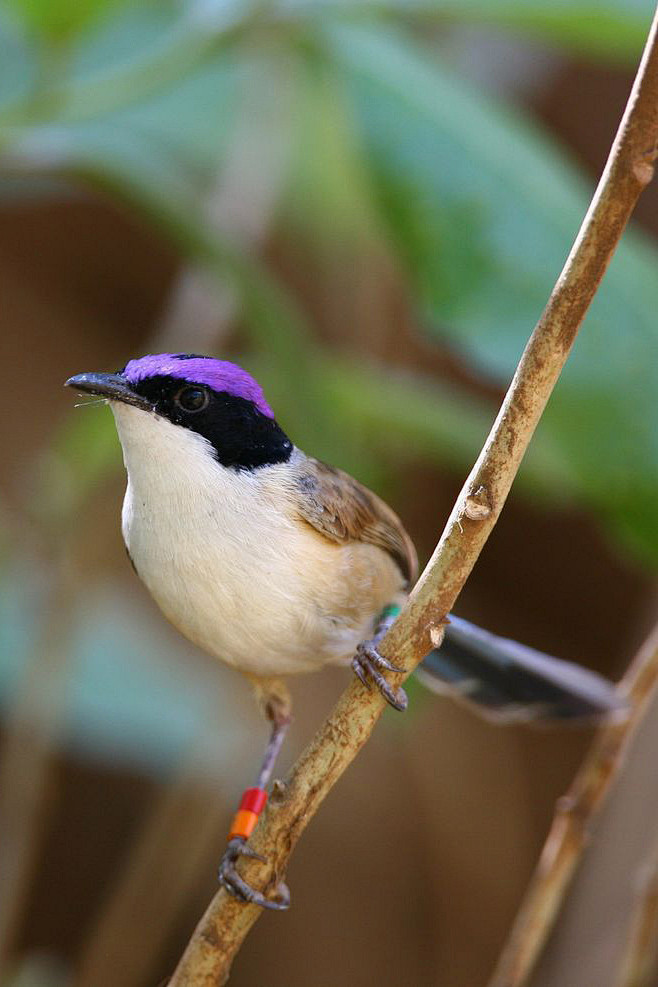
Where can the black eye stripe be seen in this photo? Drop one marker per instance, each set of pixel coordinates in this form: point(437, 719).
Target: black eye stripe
point(242, 437)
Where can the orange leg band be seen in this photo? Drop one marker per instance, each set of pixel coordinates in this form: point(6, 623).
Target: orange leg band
point(243, 824)
point(245, 819)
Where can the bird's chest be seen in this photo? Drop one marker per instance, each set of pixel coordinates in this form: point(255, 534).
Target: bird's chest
point(228, 561)
point(225, 564)
point(188, 543)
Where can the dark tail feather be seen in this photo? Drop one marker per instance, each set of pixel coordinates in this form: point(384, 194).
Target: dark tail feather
point(509, 682)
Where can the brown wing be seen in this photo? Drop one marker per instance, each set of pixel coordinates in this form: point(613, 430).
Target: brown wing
point(337, 506)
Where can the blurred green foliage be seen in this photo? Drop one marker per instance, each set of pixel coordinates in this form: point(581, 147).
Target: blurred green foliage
point(384, 147)
point(127, 696)
point(374, 149)
point(359, 147)
point(58, 20)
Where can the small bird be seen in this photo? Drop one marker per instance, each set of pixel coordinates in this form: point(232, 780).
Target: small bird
point(277, 564)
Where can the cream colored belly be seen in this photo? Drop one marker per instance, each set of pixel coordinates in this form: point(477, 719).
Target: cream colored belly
point(254, 597)
point(228, 561)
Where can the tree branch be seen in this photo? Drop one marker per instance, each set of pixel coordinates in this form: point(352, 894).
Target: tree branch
point(574, 815)
point(638, 966)
point(221, 931)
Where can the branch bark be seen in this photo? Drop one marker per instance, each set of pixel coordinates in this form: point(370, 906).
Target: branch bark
point(638, 967)
point(225, 924)
point(573, 818)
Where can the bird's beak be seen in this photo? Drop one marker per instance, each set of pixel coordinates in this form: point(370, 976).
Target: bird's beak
point(115, 387)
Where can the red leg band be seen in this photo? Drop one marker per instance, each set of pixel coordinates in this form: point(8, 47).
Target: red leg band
point(254, 799)
point(245, 819)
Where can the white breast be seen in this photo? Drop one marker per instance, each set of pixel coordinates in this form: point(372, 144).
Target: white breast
point(222, 554)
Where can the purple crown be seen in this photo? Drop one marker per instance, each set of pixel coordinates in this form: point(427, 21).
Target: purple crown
point(218, 374)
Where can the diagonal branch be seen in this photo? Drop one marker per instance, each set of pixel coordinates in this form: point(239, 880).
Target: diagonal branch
point(569, 832)
point(638, 965)
point(221, 931)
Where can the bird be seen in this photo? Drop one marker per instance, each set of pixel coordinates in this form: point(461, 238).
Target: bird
point(277, 564)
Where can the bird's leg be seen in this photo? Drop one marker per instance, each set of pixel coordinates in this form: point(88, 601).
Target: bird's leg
point(275, 700)
point(368, 663)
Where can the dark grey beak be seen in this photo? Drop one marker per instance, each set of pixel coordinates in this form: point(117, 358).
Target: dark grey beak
point(115, 387)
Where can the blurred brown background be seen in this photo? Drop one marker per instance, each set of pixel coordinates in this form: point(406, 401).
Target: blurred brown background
point(123, 751)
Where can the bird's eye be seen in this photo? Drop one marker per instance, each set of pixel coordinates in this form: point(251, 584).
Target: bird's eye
point(192, 398)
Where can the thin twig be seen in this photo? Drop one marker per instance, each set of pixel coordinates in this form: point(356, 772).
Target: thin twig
point(574, 815)
point(221, 931)
point(638, 967)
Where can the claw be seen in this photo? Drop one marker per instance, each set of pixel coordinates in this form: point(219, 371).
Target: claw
point(367, 664)
point(360, 672)
point(238, 887)
point(248, 851)
point(367, 648)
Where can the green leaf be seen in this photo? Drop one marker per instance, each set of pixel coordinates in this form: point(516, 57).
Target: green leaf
point(415, 417)
point(140, 56)
point(483, 209)
point(614, 30)
point(175, 138)
point(60, 20)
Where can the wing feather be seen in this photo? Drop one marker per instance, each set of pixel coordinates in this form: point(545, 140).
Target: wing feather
point(343, 510)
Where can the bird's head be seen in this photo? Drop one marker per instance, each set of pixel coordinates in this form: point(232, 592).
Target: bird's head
point(214, 399)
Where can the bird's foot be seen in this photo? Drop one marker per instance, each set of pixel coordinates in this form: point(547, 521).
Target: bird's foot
point(235, 885)
point(368, 664)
